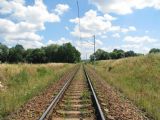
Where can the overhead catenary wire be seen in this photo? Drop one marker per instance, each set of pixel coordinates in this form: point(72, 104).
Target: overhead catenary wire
point(80, 38)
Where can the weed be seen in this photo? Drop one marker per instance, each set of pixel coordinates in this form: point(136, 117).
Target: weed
point(138, 78)
point(24, 81)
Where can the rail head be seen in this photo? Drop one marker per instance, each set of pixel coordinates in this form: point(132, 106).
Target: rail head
point(95, 96)
point(58, 97)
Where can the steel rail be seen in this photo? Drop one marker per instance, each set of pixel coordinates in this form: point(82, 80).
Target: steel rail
point(101, 114)
point(58, 97)
point(60, 94)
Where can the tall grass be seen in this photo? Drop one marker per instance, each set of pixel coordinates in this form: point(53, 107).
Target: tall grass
point(138, 78)
point(23, 81)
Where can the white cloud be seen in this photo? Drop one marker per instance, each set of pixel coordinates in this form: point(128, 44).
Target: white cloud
point(132, 28)
point(91, 24)
point(129, 29)
point(26, 44)
point(109, 17)
point(124, 6)
point(61, 8)
point(123, 30)
point(99, 42)
point(21, 21)
point(37, 13)
point(115, 29)
point(139, 44)
point(138, 48)
point(116, 35)
point(103, 36)
point(138, 40)
point(61, 41)
point(67, 28)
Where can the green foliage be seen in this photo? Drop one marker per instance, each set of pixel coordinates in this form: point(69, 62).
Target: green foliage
point(36, 56)
point(16, 54)
point(19, 79)
point(3, 53)
point(52, 53)
point(101, 55)
point(154, 50)
point(138, 78)
point(25, 81)
point(115, 54)
point(41, 71)
point(92, 57)
point(68, 53)
point(130, 54)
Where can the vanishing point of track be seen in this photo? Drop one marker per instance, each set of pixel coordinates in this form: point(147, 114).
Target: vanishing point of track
point(76, 100)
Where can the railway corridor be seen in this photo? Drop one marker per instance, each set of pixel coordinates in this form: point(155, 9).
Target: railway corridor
point(76, 103)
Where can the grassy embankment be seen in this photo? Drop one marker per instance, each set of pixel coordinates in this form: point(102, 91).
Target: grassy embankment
point(138, 78)
point(21, 82)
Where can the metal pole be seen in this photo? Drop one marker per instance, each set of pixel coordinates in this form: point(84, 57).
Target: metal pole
point(79, 20)
point(94, 49)
point(86, 57)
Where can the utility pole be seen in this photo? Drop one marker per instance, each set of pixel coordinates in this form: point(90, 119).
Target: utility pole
point(94, 49)
point(79, 20)
point(86, 57)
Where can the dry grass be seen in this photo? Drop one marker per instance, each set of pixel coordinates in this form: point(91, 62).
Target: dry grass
point(138, 78)
point(20, 82)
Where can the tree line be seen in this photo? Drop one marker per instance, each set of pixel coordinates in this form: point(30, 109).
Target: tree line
point(51, 53)
point(117, 54)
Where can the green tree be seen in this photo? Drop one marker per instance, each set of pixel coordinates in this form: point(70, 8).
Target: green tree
point(3, 53)
point(113, 55)
point(51, 53)
point(154, 50)
point(36, 56)
point(101, 55)
point(92, 57)
point(16, 54)
point(68, 53)
point(116, 54)
point(129, 53)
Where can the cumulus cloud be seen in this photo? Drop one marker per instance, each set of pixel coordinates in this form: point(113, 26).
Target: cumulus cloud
point(122, 30)
point(61, 8)
point(21, 21)
point(138, 48)
point(116, 35)
point(124, 6)
point(129, 29)
point(141, 39)
point(94, 24)
point(91, 23)
point(26, 44)
point(60, 41)
point(141, 44)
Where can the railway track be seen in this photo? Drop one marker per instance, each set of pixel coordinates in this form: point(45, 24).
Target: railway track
point(75, 101)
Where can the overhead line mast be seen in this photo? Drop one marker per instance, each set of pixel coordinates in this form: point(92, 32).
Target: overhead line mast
point(79, 21)
point(80, 33)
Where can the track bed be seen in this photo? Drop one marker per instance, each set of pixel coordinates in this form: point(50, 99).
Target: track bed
point(76, 102)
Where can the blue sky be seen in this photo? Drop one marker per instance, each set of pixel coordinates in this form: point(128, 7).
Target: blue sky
point(122, 24)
